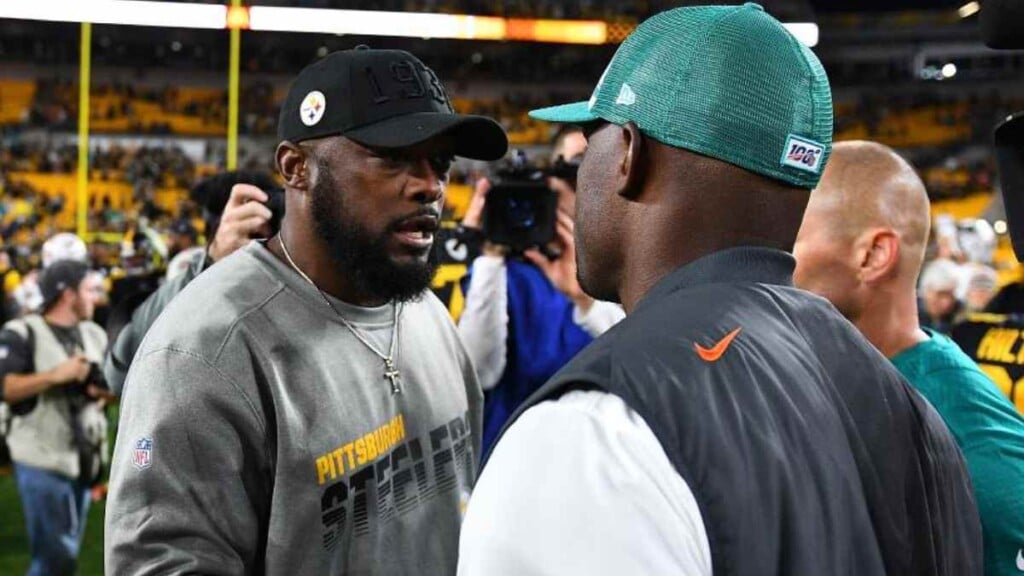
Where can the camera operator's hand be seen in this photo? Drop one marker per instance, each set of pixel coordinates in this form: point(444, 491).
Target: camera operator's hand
point(245, 217)
point(73, 370)
point(562, 270)
point(474, 217)
point(100, 394)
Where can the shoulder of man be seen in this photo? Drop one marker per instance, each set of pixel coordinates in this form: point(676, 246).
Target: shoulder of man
point(17, 326)
point(13, 338)
point(956, 385)
point(432, 305)
point(94, 330)
point(208, 310)
point(16, 353)
point(428, 310)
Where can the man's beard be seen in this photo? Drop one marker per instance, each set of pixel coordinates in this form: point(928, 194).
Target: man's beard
point(357, 252)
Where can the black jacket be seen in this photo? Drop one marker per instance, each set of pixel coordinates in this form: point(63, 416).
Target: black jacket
point(126, 342)
point(807, 452)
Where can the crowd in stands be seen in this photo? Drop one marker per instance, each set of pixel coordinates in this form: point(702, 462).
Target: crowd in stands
point(122, 108)
point(933, 127)
point(126, 108)
point(153, 178)
point(141, 166)
point(911, 120)
point(924, 118)
point(28, 217)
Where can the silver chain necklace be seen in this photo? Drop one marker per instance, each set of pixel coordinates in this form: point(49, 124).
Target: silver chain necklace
point(390, 370)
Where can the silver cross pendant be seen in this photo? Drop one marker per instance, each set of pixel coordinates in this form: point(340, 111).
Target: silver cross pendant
point(392, 374)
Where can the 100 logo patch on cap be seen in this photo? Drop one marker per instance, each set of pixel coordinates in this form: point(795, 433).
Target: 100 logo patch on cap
point(803, 154)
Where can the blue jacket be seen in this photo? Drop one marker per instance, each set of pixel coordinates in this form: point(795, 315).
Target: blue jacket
point(542, 338)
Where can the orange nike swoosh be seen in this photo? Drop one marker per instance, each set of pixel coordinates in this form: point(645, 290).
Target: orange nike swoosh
point(714, 353)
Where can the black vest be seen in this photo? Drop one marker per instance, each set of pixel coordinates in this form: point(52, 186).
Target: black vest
point(807, 452)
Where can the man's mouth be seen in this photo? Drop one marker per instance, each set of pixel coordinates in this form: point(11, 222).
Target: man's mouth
point(417, 232)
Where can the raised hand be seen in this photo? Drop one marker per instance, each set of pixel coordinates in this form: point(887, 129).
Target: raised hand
point(245, 217)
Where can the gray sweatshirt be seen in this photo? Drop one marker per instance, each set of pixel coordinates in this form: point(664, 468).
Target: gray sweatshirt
point(264, 438)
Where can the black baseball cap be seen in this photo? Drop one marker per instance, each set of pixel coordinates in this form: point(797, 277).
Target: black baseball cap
point(382, 99)
point(58, 277)
point(182, 227)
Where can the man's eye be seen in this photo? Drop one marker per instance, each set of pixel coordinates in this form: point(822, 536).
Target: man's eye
point(392, 160)
point(589, 128)
point(442, 164)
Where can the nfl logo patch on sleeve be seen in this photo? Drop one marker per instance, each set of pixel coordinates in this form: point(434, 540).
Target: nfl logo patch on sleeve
point(142, 453)
point(803, 154)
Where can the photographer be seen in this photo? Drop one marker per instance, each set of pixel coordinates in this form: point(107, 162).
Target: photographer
point(525, 318)
point(235, 209)
point(57, 437)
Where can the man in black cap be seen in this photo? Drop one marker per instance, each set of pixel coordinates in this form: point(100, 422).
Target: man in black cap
point(181, 236)
point(57, 437)
point(305, 405)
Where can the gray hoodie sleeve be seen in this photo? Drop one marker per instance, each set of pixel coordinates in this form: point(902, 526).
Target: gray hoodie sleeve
point(190, 476)
point(122, 350)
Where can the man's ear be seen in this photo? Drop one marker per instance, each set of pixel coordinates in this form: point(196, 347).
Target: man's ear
point(631, 170)
point(879, 253)
point(293, 165)
point(67, 296)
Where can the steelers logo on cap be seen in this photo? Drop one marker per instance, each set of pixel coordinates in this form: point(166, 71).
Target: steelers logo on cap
point(312, 108)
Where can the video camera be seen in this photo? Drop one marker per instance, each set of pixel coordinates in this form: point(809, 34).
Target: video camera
point(1001, 22)
point(94, 378)
point(275, 202)
point(521, 209)
point(77, 392)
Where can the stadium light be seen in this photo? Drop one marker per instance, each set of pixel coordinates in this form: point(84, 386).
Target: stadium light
point(375, 23)
point(238, 18)
point(969, 9)
point(332, 21)
point(410, 24)
point(127, 12)
point(805, 32)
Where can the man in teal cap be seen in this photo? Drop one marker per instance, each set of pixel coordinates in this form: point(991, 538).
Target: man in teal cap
point(731, 424)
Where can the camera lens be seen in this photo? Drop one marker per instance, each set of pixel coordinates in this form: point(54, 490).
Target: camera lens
point(521, 213)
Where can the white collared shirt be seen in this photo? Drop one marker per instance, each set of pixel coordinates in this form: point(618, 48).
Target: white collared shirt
point(581, 486)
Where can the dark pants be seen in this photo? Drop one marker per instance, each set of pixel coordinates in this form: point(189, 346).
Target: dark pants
point(55, 512)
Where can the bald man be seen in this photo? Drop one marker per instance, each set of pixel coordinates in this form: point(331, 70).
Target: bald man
point(861, 246)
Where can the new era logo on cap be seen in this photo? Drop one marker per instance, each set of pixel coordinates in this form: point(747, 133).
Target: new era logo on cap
point(803, 154)
point(626, 96)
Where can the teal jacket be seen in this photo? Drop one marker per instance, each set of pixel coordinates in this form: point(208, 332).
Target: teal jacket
point(990, 433)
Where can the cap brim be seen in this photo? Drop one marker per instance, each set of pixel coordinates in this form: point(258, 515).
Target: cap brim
point(476, 137)
point(575, 113)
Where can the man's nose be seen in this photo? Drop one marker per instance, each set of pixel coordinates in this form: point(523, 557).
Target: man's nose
point(426, 185)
